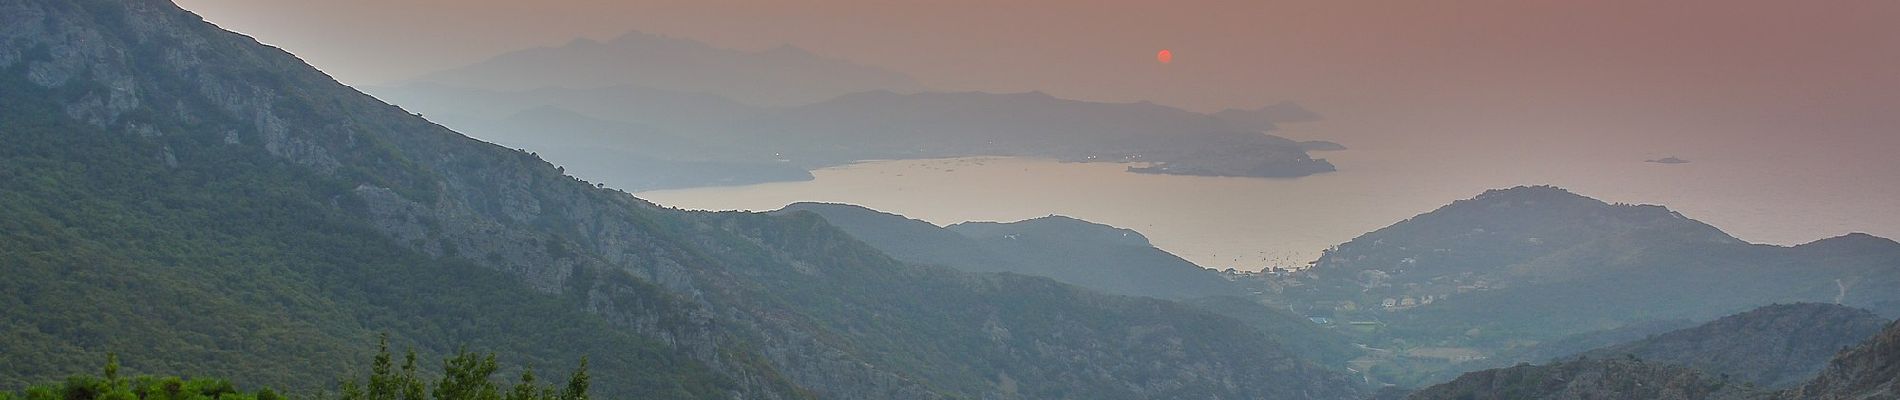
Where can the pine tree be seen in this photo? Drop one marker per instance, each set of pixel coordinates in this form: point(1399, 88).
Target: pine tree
point(525, 390)
point(112, 369)
point(465, 377)
point(383, 382)
point(577, 384)
point(351, 390)
point(412, 387)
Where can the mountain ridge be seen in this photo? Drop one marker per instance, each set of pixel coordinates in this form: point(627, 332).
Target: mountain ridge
point(758, 306)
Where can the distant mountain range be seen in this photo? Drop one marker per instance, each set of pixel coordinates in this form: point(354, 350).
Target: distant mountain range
point(1544, 262)
point(680, 112)
point(1082, 253)
point(886, 125)
point(632, 156)
point(1269, 117)
point(814, 112)
point(779, 76)
point(1498, 275)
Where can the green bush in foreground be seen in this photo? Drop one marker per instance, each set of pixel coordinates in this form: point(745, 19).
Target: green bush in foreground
point(466, 376)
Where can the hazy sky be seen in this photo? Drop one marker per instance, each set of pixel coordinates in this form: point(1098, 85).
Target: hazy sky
point(1797, 102)
point(1700, 64)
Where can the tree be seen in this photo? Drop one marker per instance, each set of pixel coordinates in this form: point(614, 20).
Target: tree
point(383, 382)
point(524, 389)
point(112, 369)
point(466, 377)
point(412, 388)
point(577, 384)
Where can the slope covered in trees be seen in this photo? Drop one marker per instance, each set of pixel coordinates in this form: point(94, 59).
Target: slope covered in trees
point(1775, 346)
point(1101, 257)
point(1868, 371)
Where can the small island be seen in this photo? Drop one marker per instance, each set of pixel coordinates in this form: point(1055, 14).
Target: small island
point(1668, 160)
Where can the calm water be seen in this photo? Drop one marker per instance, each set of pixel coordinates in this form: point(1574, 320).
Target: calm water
point(1248, 223)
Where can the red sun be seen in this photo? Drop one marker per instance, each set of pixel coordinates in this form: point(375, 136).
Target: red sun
point(1164, 56)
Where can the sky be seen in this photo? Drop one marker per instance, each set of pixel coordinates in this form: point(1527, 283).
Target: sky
point(1755, 83)
point(1677, 65)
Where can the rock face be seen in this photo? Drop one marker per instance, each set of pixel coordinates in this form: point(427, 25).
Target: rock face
point(777, 306)
point(1775, 346)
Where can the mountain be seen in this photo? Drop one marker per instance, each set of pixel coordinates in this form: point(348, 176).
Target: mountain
point(1498, 274)
point(198, 202)
point(202, 204)
point(463, 108)
point(1077, 252)
point(1870, 371)
point(779, 76)
point(1773, 346)
point(1297, 332)
point(1587, 379)
point(629, 138)
point(631, 156)
point(1488, 238)
point(1073, 251)
point(1540, 262)
point(1269, 117)
point(1564, 347)
point(909, 240)
point(886, 125)
point(1088, 254)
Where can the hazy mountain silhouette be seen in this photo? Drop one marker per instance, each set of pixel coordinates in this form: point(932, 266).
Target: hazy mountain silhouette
point(886, 125)
point(783, 75)
point(464, 108)
point(1534, 264)
point(1268, 117)
point(1073, 251)
point(631, 156)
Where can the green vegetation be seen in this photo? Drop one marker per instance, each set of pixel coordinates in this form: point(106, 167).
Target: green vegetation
point(465, 376)
point(183, 253)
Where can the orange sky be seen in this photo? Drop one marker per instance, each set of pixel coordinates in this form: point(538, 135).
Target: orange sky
point(1688, 71)
point(1796, 100)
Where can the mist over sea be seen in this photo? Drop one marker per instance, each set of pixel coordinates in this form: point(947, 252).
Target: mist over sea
point(1782, 198)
